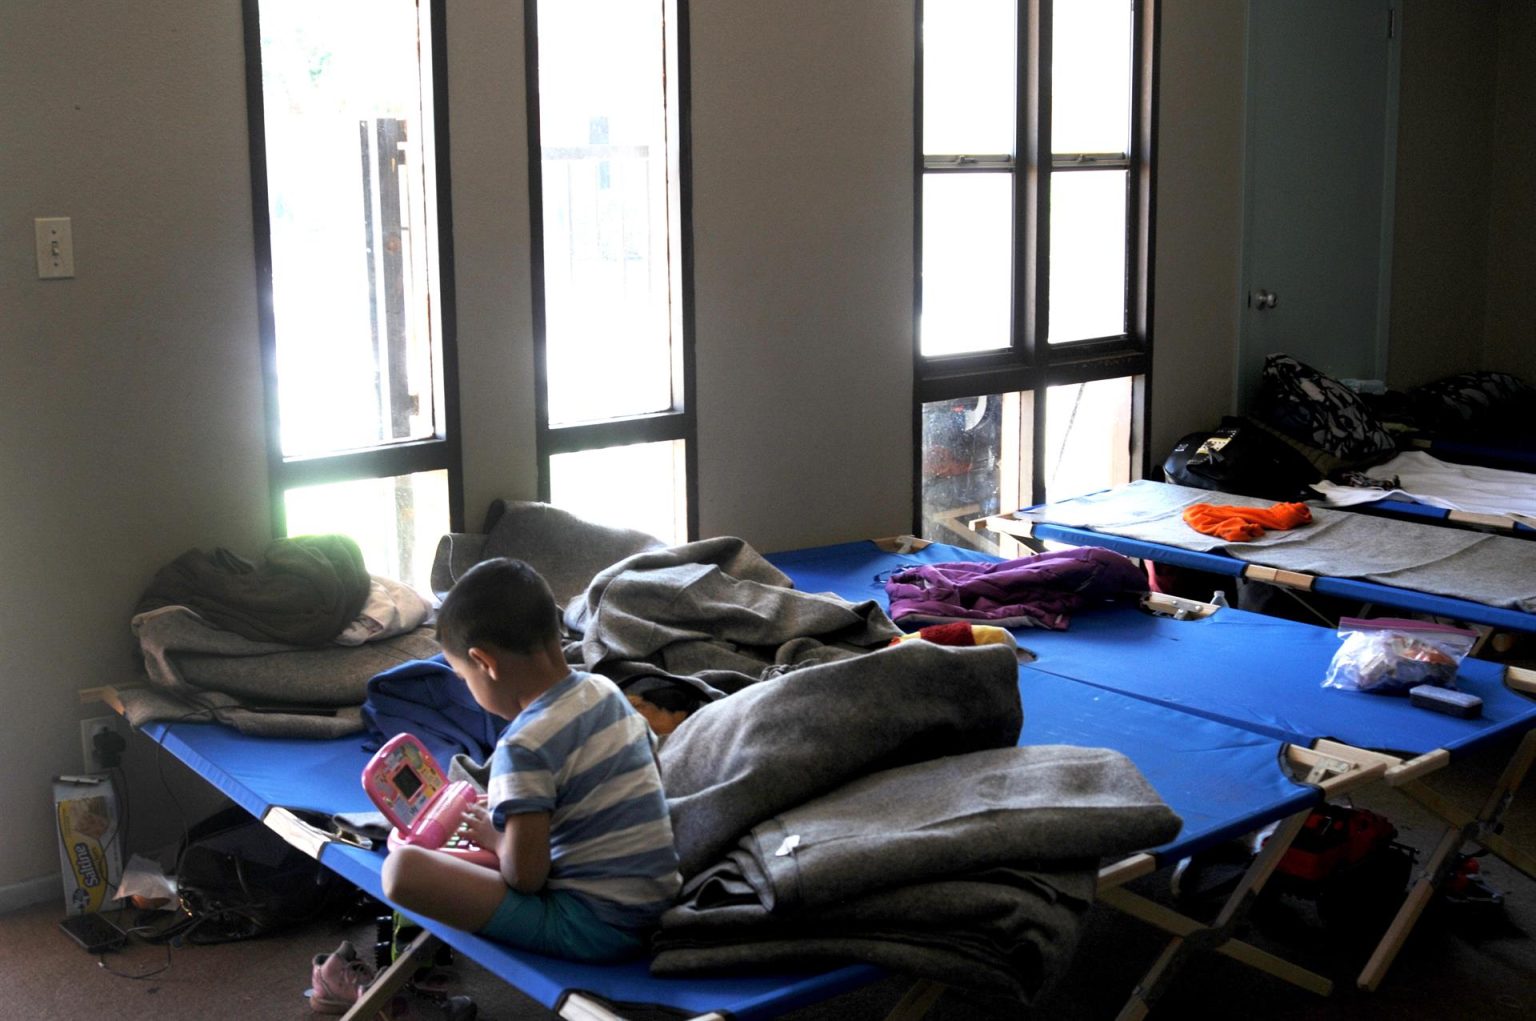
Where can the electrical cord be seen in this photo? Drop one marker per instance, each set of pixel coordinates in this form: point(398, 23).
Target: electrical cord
point(201, 920)
point(164, 935)
point(136, 976)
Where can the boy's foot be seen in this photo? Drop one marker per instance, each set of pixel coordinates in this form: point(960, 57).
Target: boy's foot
point(336, 979)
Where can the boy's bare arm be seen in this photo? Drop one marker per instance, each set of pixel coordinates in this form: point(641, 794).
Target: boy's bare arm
point(524, 851)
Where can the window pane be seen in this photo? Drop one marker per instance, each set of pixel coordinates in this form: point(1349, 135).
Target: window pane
point(1087, 255)
point(603, 128)
point(967, 262)
point(636, 486)
point(397, 521)
point(968, 76)
point(349, 201)
point(975, 463)
point(1091, 76)
point(1087, 437)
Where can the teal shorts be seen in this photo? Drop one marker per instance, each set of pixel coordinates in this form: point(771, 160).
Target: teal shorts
point(558, 924)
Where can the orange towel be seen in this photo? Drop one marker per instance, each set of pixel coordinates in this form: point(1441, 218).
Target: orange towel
point(1239, 524)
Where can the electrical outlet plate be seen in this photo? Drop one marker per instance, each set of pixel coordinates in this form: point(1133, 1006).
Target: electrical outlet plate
point(88, 731)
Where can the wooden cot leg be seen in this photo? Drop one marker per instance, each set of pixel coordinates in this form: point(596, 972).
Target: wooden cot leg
point(1191, 936)
point(917, 1001)
point(1333, 770)
point(1461, 828)
point(392, 979)
point(1408, 915)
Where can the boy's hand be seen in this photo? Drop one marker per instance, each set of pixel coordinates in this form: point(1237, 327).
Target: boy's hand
point(479, 828)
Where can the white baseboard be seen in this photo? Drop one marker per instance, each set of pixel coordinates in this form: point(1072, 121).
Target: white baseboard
point(31, 892)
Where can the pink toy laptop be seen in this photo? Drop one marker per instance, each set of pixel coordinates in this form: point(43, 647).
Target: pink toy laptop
point(411, 789)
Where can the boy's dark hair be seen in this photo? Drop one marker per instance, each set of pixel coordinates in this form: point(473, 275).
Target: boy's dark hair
point(501, 602)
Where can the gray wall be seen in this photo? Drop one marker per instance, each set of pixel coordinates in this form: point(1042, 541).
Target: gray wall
point(1444, 180)
point(1197, 286)
point(1464, 245)
point(132, 421)
point(1510, 338)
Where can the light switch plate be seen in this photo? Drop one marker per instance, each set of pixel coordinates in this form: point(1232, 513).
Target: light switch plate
point(55, 248)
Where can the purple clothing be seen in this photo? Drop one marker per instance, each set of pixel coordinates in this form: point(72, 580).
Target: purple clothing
point(1037, 591)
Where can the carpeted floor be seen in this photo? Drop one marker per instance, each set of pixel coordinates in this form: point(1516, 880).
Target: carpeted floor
point(1459, 964)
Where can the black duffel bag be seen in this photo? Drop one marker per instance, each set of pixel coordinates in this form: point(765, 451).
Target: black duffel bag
point(1241, 457)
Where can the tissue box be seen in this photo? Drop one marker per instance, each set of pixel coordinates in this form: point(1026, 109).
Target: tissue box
point(89, 855)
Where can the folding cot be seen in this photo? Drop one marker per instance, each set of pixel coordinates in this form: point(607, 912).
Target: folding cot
point(1427, 489)
point(1515, 453)
point(1223, 780)
point(1189, 766)
point(1264, 674)
point(1112, 519)
point(1410, 511)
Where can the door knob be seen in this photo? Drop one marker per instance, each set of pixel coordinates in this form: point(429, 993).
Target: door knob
point(1262, 299)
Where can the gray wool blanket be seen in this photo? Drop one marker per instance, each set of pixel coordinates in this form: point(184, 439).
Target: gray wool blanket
point(716, 616)
point(565, 549)
point(713, 615)
point(1039, 804)
point(1013, 835)
point(259, 687)
point(1007, 932)
point(1490, 569)
point(777, 744)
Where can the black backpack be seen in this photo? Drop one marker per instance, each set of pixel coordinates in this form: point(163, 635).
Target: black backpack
point(1243, 458)
point(238, 880)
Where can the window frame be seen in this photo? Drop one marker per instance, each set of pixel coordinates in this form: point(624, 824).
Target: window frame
point(680, 422)
point(1030, 363)
point(442, 452)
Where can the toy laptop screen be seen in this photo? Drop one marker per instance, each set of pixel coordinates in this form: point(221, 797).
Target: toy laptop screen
point(402, 778)
point(408, 782)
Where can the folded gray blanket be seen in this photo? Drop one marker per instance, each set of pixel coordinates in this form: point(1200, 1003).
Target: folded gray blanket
point(258, 686)
point(995, 852)
point(1008, 932)
point(777, 744)
point(1040, 805)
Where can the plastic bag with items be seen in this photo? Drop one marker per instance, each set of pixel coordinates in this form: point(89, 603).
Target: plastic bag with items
point(1390, 655)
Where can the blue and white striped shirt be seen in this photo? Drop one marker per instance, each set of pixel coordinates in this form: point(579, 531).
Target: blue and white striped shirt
point(581, 753)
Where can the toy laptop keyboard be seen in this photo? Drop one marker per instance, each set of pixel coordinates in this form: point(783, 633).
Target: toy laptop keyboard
point(409, 787)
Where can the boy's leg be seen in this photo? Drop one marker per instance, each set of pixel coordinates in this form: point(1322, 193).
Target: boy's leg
point(440, 886)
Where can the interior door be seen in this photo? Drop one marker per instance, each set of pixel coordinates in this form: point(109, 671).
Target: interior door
point(1319, 163)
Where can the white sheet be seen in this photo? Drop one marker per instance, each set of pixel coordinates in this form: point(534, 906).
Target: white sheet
point(1435, 483)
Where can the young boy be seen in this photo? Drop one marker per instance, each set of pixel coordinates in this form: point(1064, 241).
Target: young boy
point(575, 809)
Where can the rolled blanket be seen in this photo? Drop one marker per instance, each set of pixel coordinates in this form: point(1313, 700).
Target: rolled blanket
point(304, 590)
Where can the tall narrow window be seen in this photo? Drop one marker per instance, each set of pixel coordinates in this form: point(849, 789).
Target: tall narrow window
point(611, 309)
point(351, 230)
point(1034, 242)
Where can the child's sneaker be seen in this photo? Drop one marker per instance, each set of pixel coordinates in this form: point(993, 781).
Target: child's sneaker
point(336, 979)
